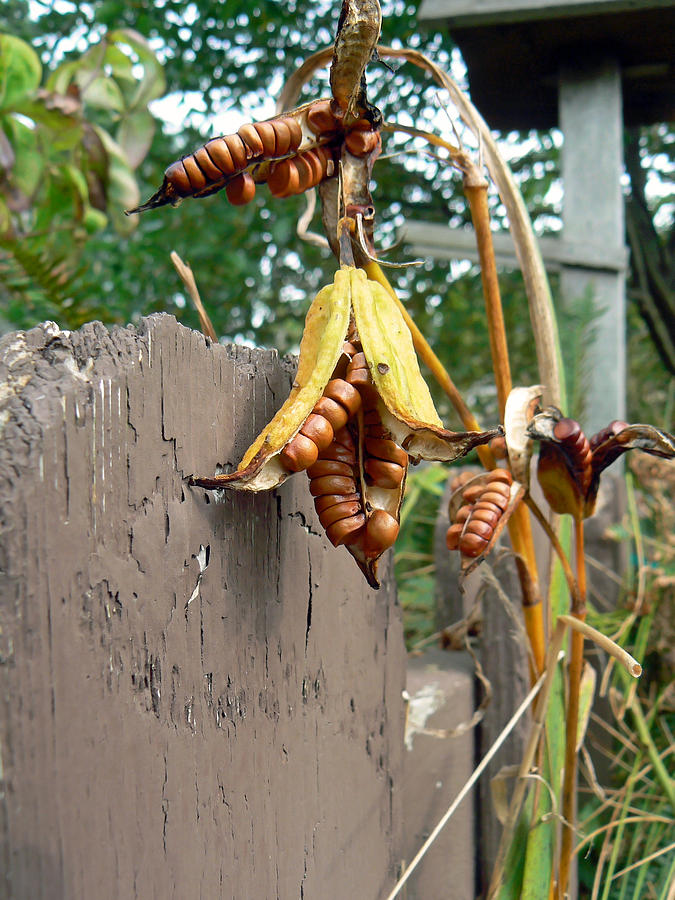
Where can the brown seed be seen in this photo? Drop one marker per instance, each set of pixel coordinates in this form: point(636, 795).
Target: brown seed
point(241, 190)
point(472, 544)
point(463, 513)
point(340, 453)
point(317, 170)
point(361, 143)
point(206, 164)
point(299, 454)
point(267, 135)
point(282, 133)
point(178, 178)
point(567, 429)
point(319, 430)
point(336, 413)
point(332, 484)
point(219, 151)
point(360, 378)
point(480, 528)
point(327, 500)
point(495, 497)
point(296, 131)
point(252, 139)
point(381, 533)
point(502, 475)
point(471, 493)
point(339, 511)
point(489, 516)
point(237, 150)
point(384, 474)
point(320, 118)
point(345, 530)
point(305, 170)
point(344, 393)
point(453, 535)
point(344, 437)
point(329, 467)
point(194, 173)
point(388, 450)
point(284, 178)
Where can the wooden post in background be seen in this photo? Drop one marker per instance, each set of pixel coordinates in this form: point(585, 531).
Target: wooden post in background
point(199, 697)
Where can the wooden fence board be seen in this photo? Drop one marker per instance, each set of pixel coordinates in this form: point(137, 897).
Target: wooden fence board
point(199, 698)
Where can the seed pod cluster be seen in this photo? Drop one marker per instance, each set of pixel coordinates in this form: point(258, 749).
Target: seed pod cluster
point(477, 519)
point(578, 455)
point(342, 459)
point(224, 157)
point(362, 139)
point(302, 172)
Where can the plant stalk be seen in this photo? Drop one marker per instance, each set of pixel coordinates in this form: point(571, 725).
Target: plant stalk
point(575, 669)
point(519, 525)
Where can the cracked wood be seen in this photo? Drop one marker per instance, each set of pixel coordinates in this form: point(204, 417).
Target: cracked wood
point(199, 696)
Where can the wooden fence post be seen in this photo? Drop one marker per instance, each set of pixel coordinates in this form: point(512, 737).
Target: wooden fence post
point(199, 697)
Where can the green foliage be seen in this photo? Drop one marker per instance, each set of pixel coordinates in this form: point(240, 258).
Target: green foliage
point(63, 176)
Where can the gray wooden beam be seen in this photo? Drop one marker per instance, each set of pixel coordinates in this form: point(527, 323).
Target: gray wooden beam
point(592, 165)
point(489, 12)
point(442, 242)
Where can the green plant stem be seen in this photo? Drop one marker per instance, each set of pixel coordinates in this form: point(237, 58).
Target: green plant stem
point(574, 680)
point(642, 727)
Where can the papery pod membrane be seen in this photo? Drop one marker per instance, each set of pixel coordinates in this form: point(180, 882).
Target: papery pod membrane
point(520, 406)
point(388, 346)
point(326, 325)
point(617, 439)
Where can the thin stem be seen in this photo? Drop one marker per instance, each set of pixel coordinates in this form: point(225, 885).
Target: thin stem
point(574, 675)
point(188, 280)
point(519, 525)
point(555, 543)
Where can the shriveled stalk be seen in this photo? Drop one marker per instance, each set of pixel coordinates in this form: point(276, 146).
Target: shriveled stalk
point(574, 681)
point(519, 525)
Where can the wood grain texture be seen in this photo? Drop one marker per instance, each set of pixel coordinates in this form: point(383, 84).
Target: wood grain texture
point(199, 697)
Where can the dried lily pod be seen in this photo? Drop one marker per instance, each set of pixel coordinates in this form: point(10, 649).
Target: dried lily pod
point(570, 465)
point(478, 511)
point(357, 411)
point(520, 407)
point(248, 158)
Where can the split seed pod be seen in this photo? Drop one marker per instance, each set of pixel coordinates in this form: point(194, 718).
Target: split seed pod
point(570, 464)
point(395, 418)
point(478, 511)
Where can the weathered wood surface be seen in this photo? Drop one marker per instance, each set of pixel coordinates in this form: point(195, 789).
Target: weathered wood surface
point(198, 697)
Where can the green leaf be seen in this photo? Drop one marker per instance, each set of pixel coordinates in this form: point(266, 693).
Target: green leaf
point(135, 135)
point(62, 77)
point(152, 84)
point(20, 70)
point(123, 192)
point(29, 162)
point(103, 93)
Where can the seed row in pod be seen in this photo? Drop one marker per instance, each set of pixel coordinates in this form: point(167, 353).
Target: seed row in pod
point(477, 519)
point(302, 172)
point(577, 449)
point(225, 156)
point(385, 463)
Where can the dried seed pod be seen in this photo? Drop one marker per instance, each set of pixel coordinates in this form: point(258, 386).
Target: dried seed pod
point(607, 432)
point(577, 449)
point(212, 172)
point(238, 150)
point(241, 190)
point(476, 521)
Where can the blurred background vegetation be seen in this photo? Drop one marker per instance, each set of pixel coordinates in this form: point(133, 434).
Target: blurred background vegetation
point(97, 98)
